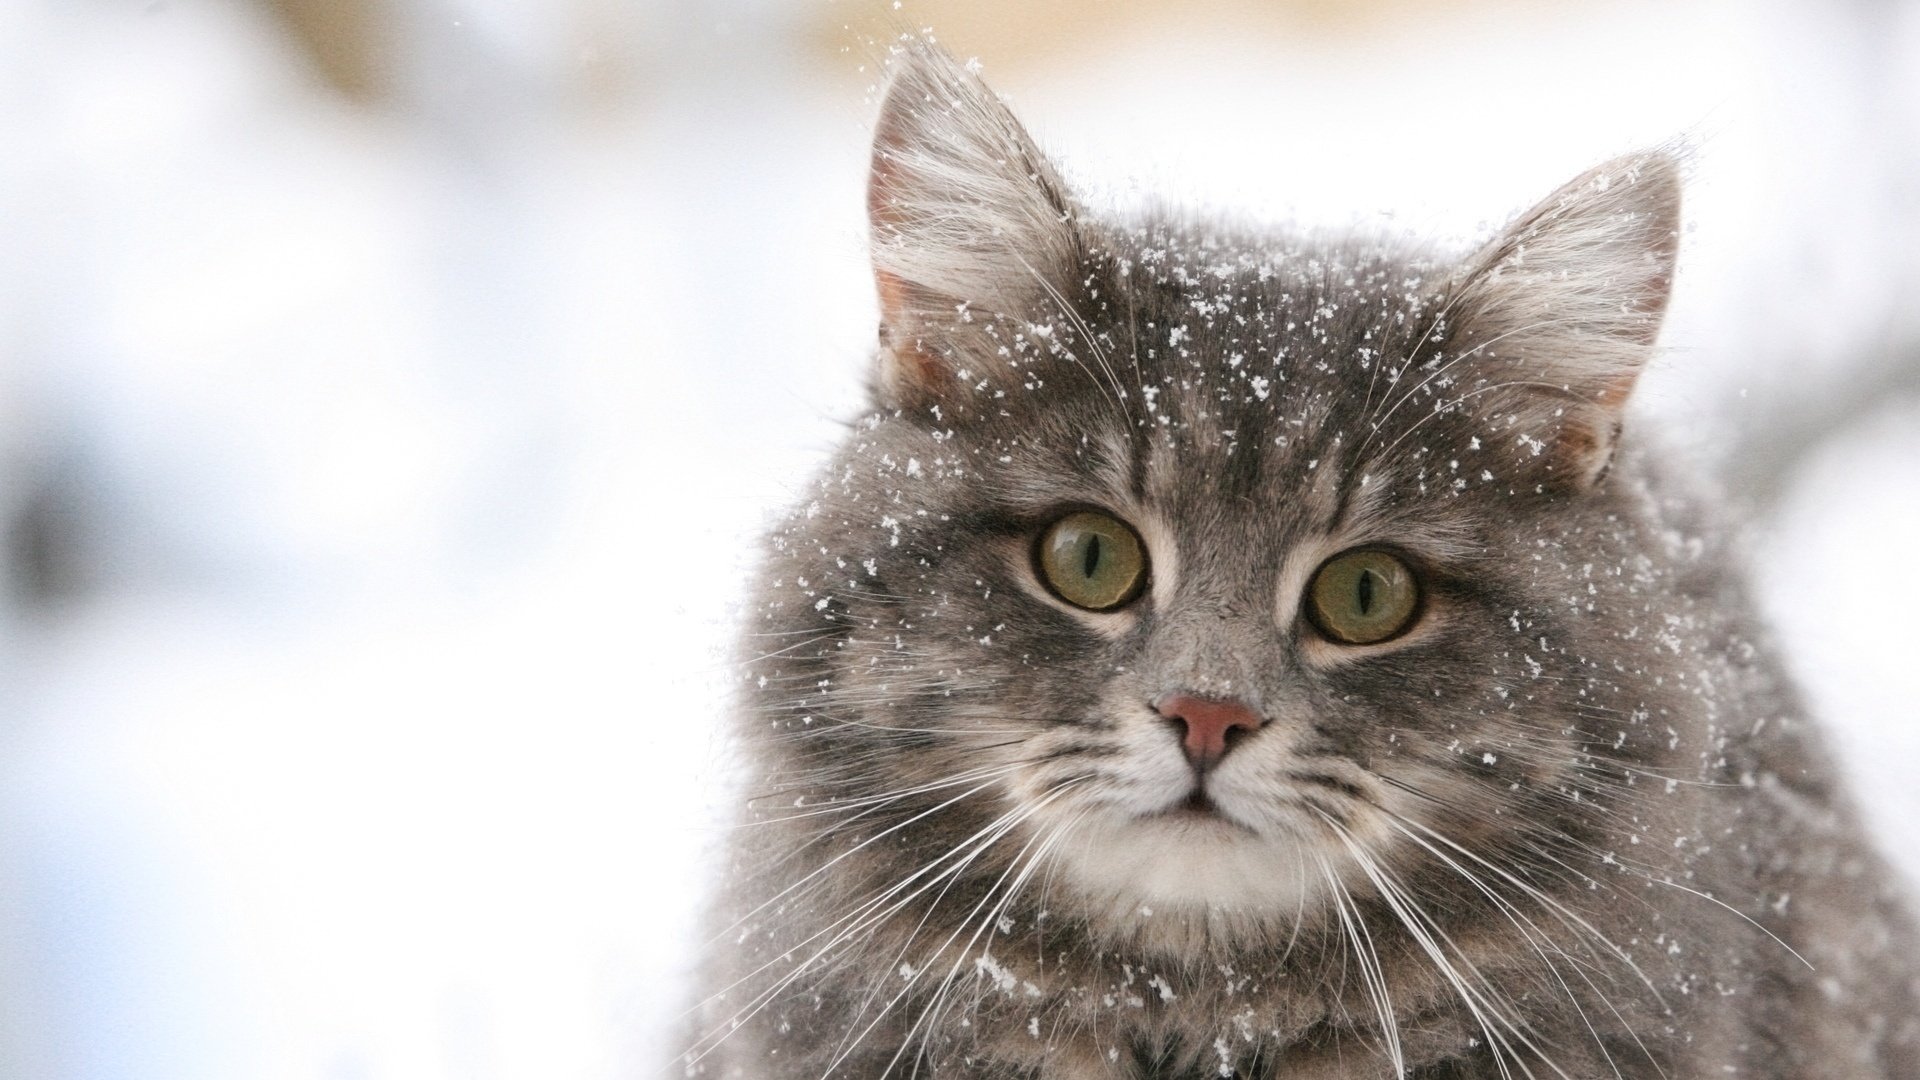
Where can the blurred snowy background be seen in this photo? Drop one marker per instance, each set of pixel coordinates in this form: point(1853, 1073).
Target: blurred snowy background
point(390, 391)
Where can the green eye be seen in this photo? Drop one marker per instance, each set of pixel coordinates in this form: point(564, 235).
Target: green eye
point(1092, 560)
point(1362, 597)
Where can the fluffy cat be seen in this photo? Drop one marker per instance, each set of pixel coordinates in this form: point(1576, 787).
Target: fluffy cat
point(1249, 654)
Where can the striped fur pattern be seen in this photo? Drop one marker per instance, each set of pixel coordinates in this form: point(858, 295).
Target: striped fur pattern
point(1575, 823)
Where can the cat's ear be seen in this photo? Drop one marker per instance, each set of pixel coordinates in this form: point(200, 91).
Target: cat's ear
point(968, 222)
point(1557, 316)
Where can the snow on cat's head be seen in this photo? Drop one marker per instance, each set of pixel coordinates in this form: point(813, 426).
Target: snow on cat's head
point(1202, 572)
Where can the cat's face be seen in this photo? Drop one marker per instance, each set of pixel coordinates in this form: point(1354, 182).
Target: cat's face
point(1214, 572)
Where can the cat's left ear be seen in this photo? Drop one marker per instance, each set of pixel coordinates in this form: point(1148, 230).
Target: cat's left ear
point(1558, 315)
point(968, 222)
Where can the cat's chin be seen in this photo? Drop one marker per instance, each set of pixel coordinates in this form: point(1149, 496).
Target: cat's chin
point(1168, 871)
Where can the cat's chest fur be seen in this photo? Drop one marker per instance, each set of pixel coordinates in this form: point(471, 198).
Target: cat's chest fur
point(1236, 653)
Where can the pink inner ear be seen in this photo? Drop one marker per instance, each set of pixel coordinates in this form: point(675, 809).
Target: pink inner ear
point(893, 303)
point(1613, 396)
point(899, 337)
point(1584, 449)
point(906, 367)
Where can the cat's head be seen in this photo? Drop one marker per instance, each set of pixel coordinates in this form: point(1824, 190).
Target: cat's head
point(1204, 570)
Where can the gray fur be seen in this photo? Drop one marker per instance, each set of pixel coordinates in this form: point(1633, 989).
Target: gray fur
point(1575, 823)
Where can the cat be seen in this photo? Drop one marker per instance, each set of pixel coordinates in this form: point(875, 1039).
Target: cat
point(1221, 652)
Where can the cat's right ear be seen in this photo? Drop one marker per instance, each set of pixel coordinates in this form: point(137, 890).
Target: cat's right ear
point(968, 223)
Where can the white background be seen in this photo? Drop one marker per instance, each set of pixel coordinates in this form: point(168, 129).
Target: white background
point(406, 457)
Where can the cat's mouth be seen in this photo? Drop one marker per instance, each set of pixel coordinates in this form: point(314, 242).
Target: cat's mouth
point(1199, 807)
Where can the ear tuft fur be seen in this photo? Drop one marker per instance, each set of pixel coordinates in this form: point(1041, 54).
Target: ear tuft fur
point(1559, 314)
point(966, 217)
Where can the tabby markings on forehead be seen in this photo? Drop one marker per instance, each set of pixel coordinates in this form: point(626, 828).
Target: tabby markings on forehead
point(1368, 516)
point(1035, 482)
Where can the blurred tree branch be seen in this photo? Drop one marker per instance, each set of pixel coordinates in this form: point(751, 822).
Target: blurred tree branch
point(343, 40)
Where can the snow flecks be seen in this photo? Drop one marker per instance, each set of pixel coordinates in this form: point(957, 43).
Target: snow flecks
point(1002, 979)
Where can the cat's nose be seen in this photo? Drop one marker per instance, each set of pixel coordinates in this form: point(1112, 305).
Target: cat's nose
point(1208, 724)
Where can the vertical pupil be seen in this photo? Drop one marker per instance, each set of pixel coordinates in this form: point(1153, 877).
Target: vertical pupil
point(1092, 558)
point(1363, 589)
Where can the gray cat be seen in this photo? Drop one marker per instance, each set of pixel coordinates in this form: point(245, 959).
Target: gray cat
point(1224, 653)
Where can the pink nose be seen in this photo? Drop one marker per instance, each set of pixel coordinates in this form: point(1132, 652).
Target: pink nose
point(1207, 723)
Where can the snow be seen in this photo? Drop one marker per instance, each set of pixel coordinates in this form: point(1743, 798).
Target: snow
point(423, 451)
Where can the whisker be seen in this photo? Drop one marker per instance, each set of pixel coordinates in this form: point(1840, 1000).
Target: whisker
point(1113, 386)
point(1369, 961)
point(990, 922)
point(1424, 934)
point(1024, 813)
point(861, 918)
point(836, 860)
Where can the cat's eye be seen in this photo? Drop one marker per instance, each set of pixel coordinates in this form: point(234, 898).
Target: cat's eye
point(1092, 560)
point(1362, 597)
